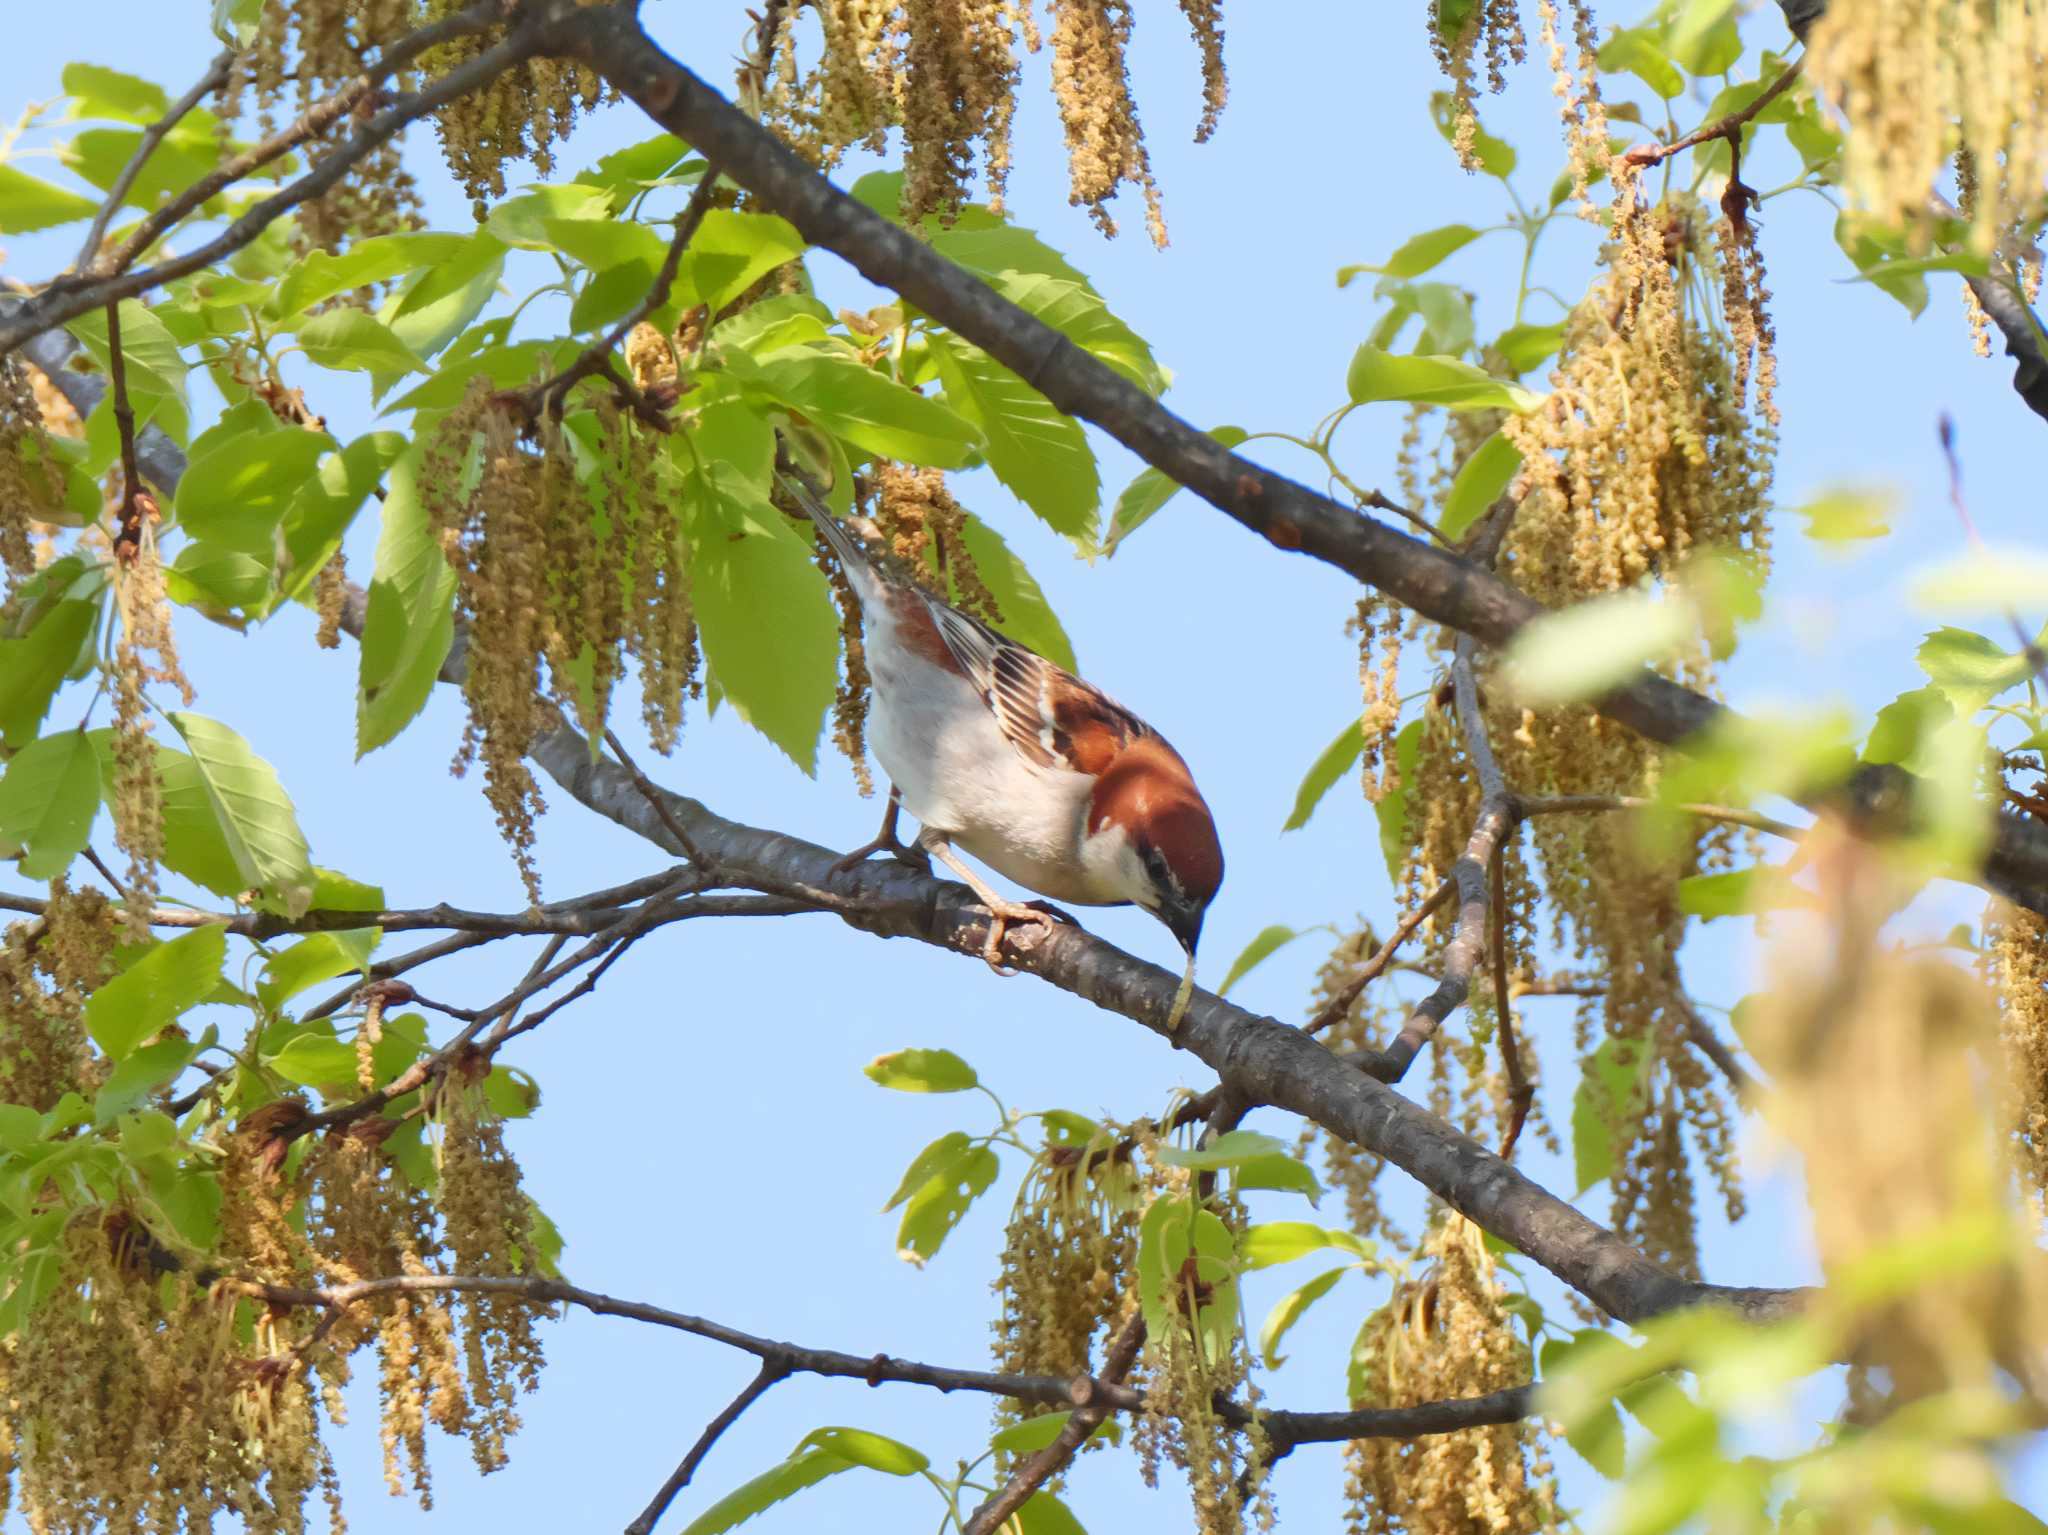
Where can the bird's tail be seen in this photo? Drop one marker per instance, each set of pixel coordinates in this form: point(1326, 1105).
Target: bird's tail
point(856, 559)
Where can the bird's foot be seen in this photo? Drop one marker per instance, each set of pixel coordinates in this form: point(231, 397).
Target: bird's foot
point(1001, 914)
point(888, 845)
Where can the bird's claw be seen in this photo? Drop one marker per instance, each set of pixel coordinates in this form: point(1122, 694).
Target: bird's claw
point(1002, 913)
point(903, 852)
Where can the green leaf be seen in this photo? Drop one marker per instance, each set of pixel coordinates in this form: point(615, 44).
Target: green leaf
point(155, 366)
point(320, 276)
point(1279, 1170)
point(859, 1447)
point(870, 411)
point(771, 639)
point(1290, 1309)
point(1905, 725)
point(433, 306)
point(522, 221)
point(151, 1067)
point(1076, 311)
point(1419, 254)
point(1599, 1439)
point(315, 958)
point(1262, 947)
point(183, 157)
point(255, 815)
point(934, 1210)
point(190, 1200)
point(1040, 454)
point(1151, 490)
point(921, 1071)
point(97, 91)
point(1850, 512)
point(1331, 764)
point(32, 667)
point(1607, 1086)
point(1044, 1514)
point(1272, 1242)
point(1032, 1435)
point(325, 506)
point(1231, 1149)
point(1872, 248)
point(316, 1059)
point(1731, 893)
point(410, 620)
point(1445, 381)
point(27, 204)
point(48, 799)
point(1524, 346)
point(1589, 648)
point(935, 1161)
point(350, 339)
point(154, 990)
point(1704, 39)
point(236, 488)
point(729, 253)
point(1635, 51)
point(1969, 669)
point(226, 585)
point(647, 163)
point(511, 1093)
point(1969, 263)
point(1392, 809)
point(1479, 483)
point(804, 1469)
point(1027, 617)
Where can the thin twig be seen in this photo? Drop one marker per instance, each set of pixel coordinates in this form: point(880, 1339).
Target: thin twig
point(772, 1370)
point(1711, 1046)
point(657, 802)
point(2036, 657)
point(1520, 1093)
point(1729, 127)
point(216, 75)
point(549, 394)
point(1381, 960)
point(128, 531)
point(1572, 804)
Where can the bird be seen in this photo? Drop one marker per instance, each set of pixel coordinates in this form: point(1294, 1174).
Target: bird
point(1001, 753)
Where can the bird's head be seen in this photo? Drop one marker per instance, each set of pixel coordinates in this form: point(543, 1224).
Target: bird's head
point(1160, 837)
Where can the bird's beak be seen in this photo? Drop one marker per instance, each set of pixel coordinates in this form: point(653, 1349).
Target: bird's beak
point(1186, 925)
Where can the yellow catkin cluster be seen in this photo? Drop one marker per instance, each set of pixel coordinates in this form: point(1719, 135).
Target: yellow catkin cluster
point(922, 522)
point(304, 51)
point(1379, 624)
point(1886, 1078)
point(563, 566)
point(31, 489)
point(1068, 1256)
point(1744, 300)
point(143, 654)
point(48, 967)
point(1920, 81)
point(1458, 32)
point(521, 114)
point(330, 596)
point(1445, 1335)
point(1575, 76)
point(946, 73)
point(2017, 962)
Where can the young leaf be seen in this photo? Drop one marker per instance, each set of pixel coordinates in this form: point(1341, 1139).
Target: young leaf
point(320, 276)
point(1279, 1170)
point(1333, 763)
point(48, 799)
point(771, 640)
point(1078, 312)
point(316, 1059)
point(1446, 381)
point(1272, 1242)
point(1607, 1084)
point(1969, 669)
point(1417, 255)
point(806, 1468)
point(1044, 1514)
point(350, 339)
point(315, 958)
point(97, 91)
point(1392, 809)
point(935, 1209)
point(936, 1160)
point(154, 990)
point(410, 620)
point(921, 1071)
point(1524, 346)
point(1231, 1149)
point(1151, 490)
point(870, 411)
point(1849, 512)
point(1027, 617)
point(235, 490)
point(1479, 484)
point(1040, 454)
point(1984, 582)
point(860, 1447)
point(729, 253)
point(255, 815)
point(27, 204)
point(1584, 650)
point(1266, 943)
point(1032, 1435)
point(1290, 1309)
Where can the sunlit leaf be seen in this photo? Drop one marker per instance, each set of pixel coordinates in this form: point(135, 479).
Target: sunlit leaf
point(154, 990)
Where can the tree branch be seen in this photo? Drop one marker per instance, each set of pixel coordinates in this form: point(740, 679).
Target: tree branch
point(1729, 127)
point(216, 75)
point(1382, 958)
point(772, 1370)
point(1437, 584)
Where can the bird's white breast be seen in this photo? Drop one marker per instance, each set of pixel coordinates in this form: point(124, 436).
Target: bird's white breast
point(942, 748)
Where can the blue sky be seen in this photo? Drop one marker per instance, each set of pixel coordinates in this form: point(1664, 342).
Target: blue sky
point(707, 1141)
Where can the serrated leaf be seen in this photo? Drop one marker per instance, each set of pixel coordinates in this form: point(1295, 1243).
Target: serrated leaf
point(326, 504)
point(1151, 490)
point(154, 990)
point(1906, 724)
point(1969, 669)
point(1079, 313)
point(235, 490)
point(1267, 942)
point(351, 340)
point(861, 1447)
point(804, 1469)
point(1480, 481)
point(1040, 454)
point(729, 253)
point(1289, 1309)
point(28, 204)
point(254, 813)
point(151, 1067)
point(1376, 374)
point(870, 411)
point(1331, 764)
point(921, 1071)
point(935, 1161)
point(321, 275)
point(410, 619)
point(315, 958)
point(1027, 617)
point(934, 1210)
point(97, 91)
point(48, 799)
point(771, 638)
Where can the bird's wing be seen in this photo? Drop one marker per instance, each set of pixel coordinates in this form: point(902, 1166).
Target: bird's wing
point(1047, 713)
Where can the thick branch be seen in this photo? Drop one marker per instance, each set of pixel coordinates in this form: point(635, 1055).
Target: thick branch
point(1437, 584)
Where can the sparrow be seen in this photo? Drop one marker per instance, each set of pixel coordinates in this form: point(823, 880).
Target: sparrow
point(1003, 754)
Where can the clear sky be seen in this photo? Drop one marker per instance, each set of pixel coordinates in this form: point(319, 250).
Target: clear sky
point(707, 1141)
